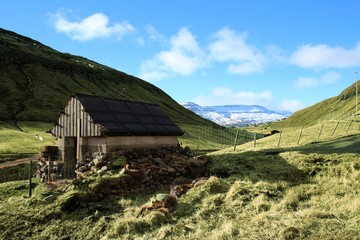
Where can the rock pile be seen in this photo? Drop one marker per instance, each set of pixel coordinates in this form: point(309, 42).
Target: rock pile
point(142, 171)
point(50, 165)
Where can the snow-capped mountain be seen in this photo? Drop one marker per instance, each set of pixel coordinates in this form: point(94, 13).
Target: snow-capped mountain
point(236, 115)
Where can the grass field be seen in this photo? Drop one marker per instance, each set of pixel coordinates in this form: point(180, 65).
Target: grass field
point(23, 139)
point(309, 190)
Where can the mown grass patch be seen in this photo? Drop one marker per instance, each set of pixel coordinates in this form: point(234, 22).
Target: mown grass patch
point(264, 197)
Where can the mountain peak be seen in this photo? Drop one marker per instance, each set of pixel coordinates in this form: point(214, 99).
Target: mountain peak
point(236, 115)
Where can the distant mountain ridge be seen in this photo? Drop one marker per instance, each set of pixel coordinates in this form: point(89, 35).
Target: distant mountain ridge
point(236, 115)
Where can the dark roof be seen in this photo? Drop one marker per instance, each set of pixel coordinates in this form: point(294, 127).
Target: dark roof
point(124, 117)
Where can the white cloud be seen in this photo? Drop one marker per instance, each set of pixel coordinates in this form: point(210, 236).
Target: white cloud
point(153, 33)
point(226, 96)
point(229, 46)
point(306, 82)
point(310, 82)
point(290, 105)
point(322, 56)
point(91, 27)
point(183, 57)
point(140, 41)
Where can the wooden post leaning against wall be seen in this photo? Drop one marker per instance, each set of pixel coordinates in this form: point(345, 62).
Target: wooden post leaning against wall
point(78, 140)
point(50, 166)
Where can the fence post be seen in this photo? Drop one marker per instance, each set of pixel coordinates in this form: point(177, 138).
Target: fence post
point(300, 134)
point(349, 126)
point(254, 139)
point(236, 137)
point(322, 125)
point(335, 128)
point(30, 178)
point(279, 138)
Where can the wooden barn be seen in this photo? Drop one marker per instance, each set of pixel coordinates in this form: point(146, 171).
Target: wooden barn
point(100, 124)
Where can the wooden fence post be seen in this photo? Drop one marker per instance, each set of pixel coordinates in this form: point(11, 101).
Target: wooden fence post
point(279, 138)
point(236, 137)
point(254, 139)
point(322, 125)
point(30, 178)
point(335, 128)
point(349, 126)
point(300, 134)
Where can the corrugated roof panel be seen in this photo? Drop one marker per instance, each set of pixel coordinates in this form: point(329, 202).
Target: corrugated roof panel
point(163, 120)
point(156, 110)
point(144, 119)
point(138, 108)
point(123, 117)
point(126, 118)
point(118, 106)
point(103, 117)
point(156, 128)
point(93, 104)
point(136, 128)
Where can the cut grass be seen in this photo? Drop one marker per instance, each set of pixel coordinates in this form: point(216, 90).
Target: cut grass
point(296, 191)
point(264, 197)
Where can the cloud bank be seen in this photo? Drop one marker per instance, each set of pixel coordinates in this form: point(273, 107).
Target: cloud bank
point(185, 55)
point(225, 96)
point(94, 26)
point(322, 56)
point(311, 82)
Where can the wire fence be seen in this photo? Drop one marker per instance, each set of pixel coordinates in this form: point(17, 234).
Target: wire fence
point(325, 131)
point(16, 173)
point(202, 139)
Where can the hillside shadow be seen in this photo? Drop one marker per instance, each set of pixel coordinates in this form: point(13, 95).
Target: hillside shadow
point(343, 145)
point(256, 166)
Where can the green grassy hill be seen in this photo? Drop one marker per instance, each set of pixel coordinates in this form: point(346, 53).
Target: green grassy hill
point(36, 82)
point(341, 107)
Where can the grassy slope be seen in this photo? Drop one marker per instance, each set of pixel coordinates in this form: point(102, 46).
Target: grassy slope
point(295, 192)
point(36, 82)
point(291, 195)
point(339, 107)
point(298, 191)
point(23, 139)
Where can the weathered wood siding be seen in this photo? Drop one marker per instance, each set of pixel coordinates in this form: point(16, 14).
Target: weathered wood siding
point(67, 125)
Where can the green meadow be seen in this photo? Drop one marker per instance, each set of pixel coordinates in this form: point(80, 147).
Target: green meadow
point(307, 189)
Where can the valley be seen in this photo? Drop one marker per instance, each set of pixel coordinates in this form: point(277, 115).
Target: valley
point(301, 182)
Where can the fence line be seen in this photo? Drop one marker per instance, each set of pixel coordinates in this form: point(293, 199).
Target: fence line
point(311, 134)
point(217, 138)
point(210, 138)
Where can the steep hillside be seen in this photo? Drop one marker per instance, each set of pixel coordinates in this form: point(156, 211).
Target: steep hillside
point(341, 107)
point(36, 82)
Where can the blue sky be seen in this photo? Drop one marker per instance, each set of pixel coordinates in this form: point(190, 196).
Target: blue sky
point(283, 55)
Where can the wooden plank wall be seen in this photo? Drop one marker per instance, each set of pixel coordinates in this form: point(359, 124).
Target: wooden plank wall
point(67, 123)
